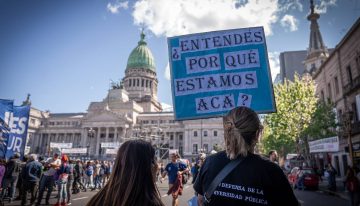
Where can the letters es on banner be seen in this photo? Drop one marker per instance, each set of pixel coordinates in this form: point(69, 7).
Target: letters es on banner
point(214, 72)
point(13, 125)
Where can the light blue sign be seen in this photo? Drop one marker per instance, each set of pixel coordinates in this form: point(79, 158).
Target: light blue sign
point(18, 123)
point(214, 72)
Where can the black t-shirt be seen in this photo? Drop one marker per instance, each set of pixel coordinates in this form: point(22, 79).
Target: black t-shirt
point(256, 181)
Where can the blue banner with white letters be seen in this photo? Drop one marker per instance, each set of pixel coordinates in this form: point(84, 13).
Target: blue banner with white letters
point(5, 106)
point(214, 72)
point(18, 123)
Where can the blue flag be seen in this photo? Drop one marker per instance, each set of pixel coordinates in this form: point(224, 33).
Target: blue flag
point(6, 107)
point(18, 123)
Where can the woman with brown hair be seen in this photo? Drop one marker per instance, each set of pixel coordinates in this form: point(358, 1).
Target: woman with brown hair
point(132, 181)
point(250, 179)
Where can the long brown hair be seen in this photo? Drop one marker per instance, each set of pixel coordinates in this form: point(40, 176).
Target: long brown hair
point(241, 129)
point(132, 180)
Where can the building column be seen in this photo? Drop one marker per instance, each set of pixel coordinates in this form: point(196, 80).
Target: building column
point(107, 134)
point(115, 134)
point(84, 136)
point(97, 141)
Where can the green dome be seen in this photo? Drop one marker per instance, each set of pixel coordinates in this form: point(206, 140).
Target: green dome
point(141, 56)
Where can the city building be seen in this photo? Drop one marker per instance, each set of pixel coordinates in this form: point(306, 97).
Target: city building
point(131, 110)
point(338, 81)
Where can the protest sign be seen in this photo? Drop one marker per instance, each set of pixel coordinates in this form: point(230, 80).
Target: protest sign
point(61, 145)
point(18, 122)
point(214, 72)
point(74, 151)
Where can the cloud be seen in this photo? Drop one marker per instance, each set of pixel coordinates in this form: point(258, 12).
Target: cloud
point(167, 72)
point(167, 107)
point(169, 18)
point(274, 64)
point(322, 8)
point(289, 21)
point(114, 8)
point(287, 5)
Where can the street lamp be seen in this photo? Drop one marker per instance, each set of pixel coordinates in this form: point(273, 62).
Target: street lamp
point(347, 120)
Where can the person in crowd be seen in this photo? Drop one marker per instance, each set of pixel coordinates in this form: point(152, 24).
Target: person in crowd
point(105, 166)
point(174, 170)
point(300, 179)
point(98, 172)
point(11, 177)
point(48, 179)
point(202, 157)
point(260, 180)
point(19, 184)
point(63, 176)
point(132, 181)
point(273, 156)
point(70, 181)
point(352, 185)
point(89, 172)
point(30, 175)
point(331, 176)
point(78, 174)
point(2, 170)
point(194, 171)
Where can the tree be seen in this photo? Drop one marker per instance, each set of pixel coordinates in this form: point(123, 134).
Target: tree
point(322, 125)
point(296, 103)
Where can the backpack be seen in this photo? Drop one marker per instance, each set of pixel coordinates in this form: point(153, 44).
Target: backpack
point(352, 184)
point(89, 171)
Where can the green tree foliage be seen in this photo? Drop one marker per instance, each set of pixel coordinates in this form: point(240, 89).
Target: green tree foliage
point(296, 103)
point(322, 123)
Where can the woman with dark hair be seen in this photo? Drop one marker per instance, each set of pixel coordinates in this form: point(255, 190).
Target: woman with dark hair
point(132, 181)
point(252, 180)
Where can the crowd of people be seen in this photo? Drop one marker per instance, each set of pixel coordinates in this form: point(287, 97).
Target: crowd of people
point(132, 179)
point(34, 176)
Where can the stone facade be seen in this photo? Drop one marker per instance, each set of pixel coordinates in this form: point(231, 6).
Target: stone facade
point(338, 81)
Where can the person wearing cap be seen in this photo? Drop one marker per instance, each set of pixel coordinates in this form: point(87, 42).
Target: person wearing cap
point(13, 168)
point(253, 180)
point(48, 180)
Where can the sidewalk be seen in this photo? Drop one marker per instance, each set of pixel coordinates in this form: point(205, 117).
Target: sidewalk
point(340, 190)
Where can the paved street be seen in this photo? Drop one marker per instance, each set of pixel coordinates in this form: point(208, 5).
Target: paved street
point(306, 198)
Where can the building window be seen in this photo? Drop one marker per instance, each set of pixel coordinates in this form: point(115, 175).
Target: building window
point(32, 121)
point(322, 96)
point(357, 60)
point(195, 133)
point(172, 137)
point(205, 133)
point(195, 149)
point(336, 85)
point(137, 82)
point(181, 150)
point(215, 133)
point(329, 90)
point(134, 82)
point(206, 148)
point(150, 84)
point(129, 82)
point(180, 137)
point(147, 83)
point(348, 69)
point(142, 82)
point(355, 117)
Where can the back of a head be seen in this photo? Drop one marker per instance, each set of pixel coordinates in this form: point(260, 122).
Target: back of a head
point(132, 180)
point(241, 127)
